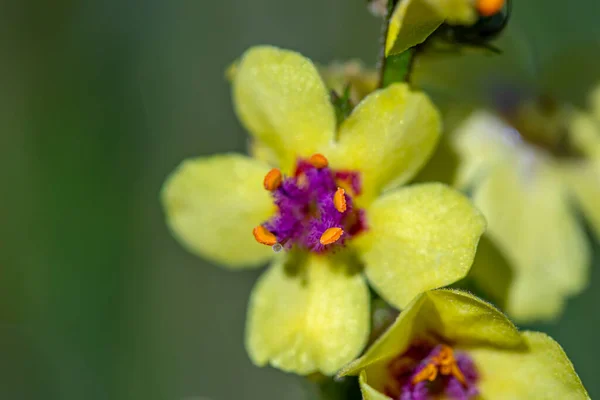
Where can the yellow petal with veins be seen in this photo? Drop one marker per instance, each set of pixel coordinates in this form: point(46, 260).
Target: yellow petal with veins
point(419, 238)
point(387, 138)
point(541, 371)
point(308, 315)
point(212, 204)
point(282, 101)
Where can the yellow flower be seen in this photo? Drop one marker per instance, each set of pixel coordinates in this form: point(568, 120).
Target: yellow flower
point(414, 20)
point(524, 169)
point(452, 344)
point(332, 194)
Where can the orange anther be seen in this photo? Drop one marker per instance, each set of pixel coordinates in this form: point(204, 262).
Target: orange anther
point(272, 180)
point(263, 236)
point(442, 363)
point(429, 373)
point(331, 235)
point(318, 161)
point(487, 8)
point(445, 356)
point(339, 200)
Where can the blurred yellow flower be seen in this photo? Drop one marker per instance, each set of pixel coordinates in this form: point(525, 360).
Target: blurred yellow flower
point(360, 80)
point(413, 21)
point(324, 194)
point(453, 345)
point(527, 171)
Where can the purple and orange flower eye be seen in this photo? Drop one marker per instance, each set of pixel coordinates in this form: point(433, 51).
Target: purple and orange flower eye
point(314, 207)
point(427, 370)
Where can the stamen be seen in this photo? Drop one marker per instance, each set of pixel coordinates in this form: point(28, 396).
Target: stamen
point(445, 357)
point(457, 373)
point(331, 235)
point(487, 8)
point(263, 236)
point(444, 363)
point(339, 200)
point(318, 161)
point(272, 180)
point(429, 373)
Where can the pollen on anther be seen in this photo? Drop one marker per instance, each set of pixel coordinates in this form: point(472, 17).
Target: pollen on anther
point(272, 180)
point(487, 8)
point(331, 235)
point(263, 236)
point(318, 161)
point(339, 200)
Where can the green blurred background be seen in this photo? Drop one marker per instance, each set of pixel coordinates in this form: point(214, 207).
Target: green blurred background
point(99, 101)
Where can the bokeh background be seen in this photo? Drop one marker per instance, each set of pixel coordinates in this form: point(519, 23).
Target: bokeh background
point(99, 101)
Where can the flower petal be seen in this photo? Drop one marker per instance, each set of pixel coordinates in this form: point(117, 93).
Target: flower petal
point(414, 20)
point(457, 317)
point(281, 99)
point(583, 180)
point(419, 238)
point(482, 141)
point(585, 133)
point(307, 317)
point(388, 137)
point(367, 391)
point(521, 200)
point(212, 204)
point(543, 371)
point(491, 272)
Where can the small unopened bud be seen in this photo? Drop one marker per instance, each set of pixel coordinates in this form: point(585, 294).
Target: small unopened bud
point(487, 8)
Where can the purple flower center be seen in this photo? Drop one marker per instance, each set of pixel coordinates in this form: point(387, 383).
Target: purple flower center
point(427, 372)
point(315, 209)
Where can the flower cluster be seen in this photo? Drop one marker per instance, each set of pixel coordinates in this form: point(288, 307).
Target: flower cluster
point(327, 199)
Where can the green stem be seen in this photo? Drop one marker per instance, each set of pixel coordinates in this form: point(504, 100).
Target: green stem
point(382, 59)
point(397, 67)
